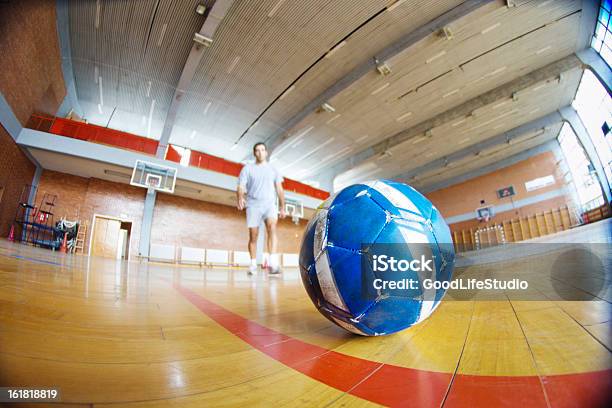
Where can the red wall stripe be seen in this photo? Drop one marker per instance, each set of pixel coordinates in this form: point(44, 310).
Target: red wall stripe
point(124, 140)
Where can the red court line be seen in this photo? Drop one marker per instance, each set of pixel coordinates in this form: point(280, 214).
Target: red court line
point(402, 386)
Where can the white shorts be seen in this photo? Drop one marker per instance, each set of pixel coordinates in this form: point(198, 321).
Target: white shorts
point(258, 214)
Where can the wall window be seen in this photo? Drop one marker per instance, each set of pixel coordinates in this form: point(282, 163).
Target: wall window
point(594, 106)
point(582, 172)
point(602, 40)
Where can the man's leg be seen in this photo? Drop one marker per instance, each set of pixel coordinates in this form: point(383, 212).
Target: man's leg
point(272, 243)
point(253, 233)
point(254, 216)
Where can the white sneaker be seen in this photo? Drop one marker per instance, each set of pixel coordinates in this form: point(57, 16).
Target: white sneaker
point(252, 270)
point(274, 270)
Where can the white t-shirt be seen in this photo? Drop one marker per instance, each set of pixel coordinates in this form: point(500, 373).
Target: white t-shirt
point(259, 180)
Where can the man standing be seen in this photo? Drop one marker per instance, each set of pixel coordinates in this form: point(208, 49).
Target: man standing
point(258, 185)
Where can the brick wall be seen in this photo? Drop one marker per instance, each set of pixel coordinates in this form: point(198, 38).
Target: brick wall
point(81, 198)
point(31, 79)
point(186, 222)
point(16, 170)
point(465, 197)
point(176, 220)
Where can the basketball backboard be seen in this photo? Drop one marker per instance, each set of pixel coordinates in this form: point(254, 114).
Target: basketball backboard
point(294, 208)
point(153, 175)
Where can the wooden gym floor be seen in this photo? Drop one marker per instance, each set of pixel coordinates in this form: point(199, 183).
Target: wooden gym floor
point(112, 333)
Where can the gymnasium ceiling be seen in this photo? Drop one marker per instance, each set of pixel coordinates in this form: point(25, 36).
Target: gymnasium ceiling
point(270, 58)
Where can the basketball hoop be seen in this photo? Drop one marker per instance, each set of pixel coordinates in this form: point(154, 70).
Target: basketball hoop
point(153, 176)
point(295, 209)
point(153, 181)
point(484, 213)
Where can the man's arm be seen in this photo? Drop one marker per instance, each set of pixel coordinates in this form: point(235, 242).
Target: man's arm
point(241, 190)
point(240, 197)
point(281, 198)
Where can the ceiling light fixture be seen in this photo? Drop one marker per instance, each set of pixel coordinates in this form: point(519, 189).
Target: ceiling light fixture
point(253, 126)
point(459, 122)
point(313, 151)
point(541, 50)
point(404, 116)
point(490, 28)
point(275, 8)
point(331, 52)
point(287, 92)
point(150, 119)
point(326, 160)
point(332, 119)
point(233, 64)
point(162, 34)
point(384, 155)
point(327, 107)
point(200, 9)
point(382, 68)
point(435, 57)
point(97, 22)
point(446, 95)
point(301, 135)
point(380, 89)
point(292, 143)
point(499, 105)
point(202, 40)
point(395, 5)
point(101, 93)
point(446, 33)
point(207, 107)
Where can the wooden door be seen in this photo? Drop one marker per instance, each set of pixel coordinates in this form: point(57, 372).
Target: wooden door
point(105, 239)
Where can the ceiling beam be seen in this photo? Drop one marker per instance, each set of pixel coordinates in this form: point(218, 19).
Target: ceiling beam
point(435, 25)
point(507, 90)
point(541, 123)
point(593, 61)
point(202, 41)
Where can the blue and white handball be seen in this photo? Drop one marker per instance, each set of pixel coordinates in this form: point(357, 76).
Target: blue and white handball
point(374, 256)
